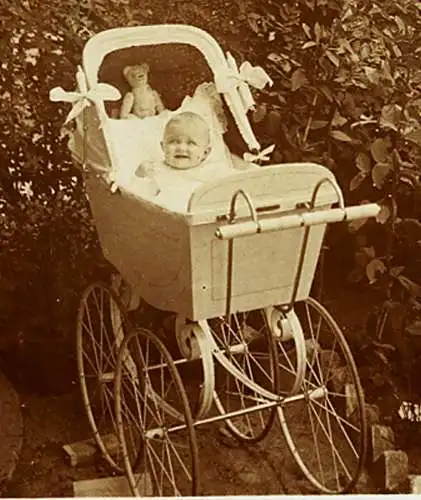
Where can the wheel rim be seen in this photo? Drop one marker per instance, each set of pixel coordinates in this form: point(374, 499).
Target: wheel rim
point(100, 329)
point(248, 345)
point(158, 461)
point(326, 430)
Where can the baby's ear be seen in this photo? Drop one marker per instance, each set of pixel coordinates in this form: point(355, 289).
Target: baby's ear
point(145, 67)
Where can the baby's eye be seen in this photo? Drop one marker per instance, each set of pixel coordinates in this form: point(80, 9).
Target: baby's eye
point(191, 143)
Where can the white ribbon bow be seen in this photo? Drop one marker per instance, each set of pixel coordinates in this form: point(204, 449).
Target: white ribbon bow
point(84, 98)
point(260, 156)
point(247, 75)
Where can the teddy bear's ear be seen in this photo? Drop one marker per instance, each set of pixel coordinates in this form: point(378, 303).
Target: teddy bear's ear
point(126, 71)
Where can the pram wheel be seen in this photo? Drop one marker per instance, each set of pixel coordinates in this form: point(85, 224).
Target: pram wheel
point(154, 419)
point(246, 343)
point(325, 429)
point(101, 326)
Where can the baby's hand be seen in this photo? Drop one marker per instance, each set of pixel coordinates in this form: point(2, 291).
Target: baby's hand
point(144, 170)
point(145, 173)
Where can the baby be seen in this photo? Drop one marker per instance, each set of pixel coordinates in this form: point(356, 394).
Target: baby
point(186, 144)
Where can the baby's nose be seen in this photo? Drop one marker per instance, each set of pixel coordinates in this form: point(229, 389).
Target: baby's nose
point(182, 146)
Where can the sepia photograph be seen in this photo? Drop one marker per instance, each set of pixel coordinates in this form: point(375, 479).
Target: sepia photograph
point(210, 253)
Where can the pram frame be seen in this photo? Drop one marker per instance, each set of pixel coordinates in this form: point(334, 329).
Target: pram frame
point(290, 199)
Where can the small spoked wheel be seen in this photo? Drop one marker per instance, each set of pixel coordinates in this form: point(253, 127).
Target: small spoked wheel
point(101, 326)
point(324, 425)
point(155, 424)
point(245, 343)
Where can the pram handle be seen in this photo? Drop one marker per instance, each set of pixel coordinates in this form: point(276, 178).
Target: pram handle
point(291, 221)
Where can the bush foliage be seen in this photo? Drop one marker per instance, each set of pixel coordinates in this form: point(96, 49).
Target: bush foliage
point(346, 94)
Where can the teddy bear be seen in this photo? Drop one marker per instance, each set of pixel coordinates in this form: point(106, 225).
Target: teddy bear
point(141, 101)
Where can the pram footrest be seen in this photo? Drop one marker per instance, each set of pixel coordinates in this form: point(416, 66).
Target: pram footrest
point(304, 219)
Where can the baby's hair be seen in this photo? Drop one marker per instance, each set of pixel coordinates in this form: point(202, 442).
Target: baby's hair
point(187, 116)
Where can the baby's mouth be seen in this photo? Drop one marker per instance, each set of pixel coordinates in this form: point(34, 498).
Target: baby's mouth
point(182, 156)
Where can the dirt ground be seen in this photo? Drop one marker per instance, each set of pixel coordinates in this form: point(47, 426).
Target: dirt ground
point(226, 468)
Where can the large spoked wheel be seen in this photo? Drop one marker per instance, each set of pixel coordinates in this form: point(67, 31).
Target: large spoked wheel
point(101, 326)
point(325, 426)
point(246, 345)
point(155, 424)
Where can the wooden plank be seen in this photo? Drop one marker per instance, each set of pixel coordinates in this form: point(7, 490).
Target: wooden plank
point(84, 452)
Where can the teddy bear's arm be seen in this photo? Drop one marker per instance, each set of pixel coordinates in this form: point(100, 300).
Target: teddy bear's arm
point(159, 105)
point(127, 105)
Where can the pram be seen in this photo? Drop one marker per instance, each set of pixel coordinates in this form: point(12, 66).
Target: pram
point(234, 264)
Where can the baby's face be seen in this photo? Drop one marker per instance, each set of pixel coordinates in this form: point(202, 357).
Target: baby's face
point(185, 145)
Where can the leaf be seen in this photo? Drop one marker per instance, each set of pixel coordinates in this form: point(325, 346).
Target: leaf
point(396, 271)
point(340, 136)
point(318, 124)
point(384, 215)
point(396, 50)
point(387, 73)
point(414, 136)
point(298, 79)
point(391, 116)
point(327, 93)
point(317, 32)
point(254, 21)
point(379, 174)
point(401, 25)
point(413, 288)
point(363, 163)
point(259, 113)
point(380, 150)
point(307, 30)
point(308, 45)
point(372, 75)
point(357, 180)
point(374, 268)
point(276, 58)
point(365, 50)
point(414, 328)
point(333, 59)
point(369, 251)
point(338, 120)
